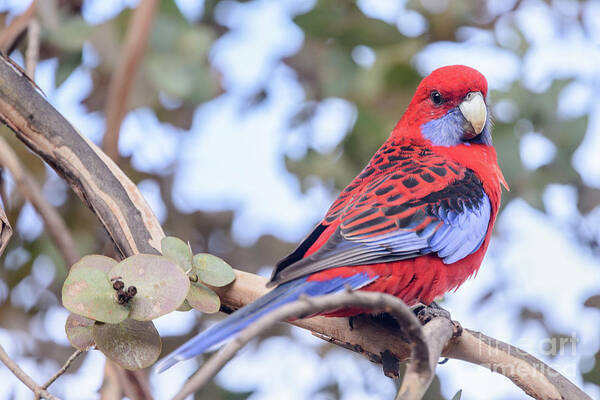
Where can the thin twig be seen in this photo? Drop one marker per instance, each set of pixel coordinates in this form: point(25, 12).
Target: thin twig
point(309, 306)
point(5, 228)
point(3, 194)
point(23, 377)
point(9, 34)
point(64, 368)
point(123, 77)
point(28, 187)
point(33, 47)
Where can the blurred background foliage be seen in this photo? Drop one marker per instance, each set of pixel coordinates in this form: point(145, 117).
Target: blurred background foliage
point(363, 59)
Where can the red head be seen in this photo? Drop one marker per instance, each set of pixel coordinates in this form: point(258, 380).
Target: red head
point(449, 108)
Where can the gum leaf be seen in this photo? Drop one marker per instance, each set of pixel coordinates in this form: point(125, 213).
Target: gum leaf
point(131, 344)
point(96, 261)
point(88, 292)
point(79, 331)
point(161, 285)
point(203, 299)
point(178, 251)
point(212, 270)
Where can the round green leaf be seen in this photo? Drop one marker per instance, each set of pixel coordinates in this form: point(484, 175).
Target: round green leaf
point(79, 331)
point(161, 284)
point(203, 298)
point(88, 292)
point(178, 251)
point(212, 270)
point(131, 344)
point(96, 261)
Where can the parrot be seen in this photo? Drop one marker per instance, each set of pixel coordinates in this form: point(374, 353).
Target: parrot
point(415, 223)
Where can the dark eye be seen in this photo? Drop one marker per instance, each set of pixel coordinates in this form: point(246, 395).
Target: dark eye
point(436, 97)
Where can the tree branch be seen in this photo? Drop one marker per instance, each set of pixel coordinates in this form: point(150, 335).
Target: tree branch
point(93, 176)
point(411, 328)
point(62, 370)
point(23, 377)
point(536, 378)
point(33, 47)
point(418, 375)
point(135, 384)
point(28, 187)
point(111, 386)
point(5, 228)
point(132, 226)
point(11, 32)
point(122, 78)
point(532, 375)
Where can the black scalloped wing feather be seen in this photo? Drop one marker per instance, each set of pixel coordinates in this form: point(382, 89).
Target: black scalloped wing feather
point(407, 202)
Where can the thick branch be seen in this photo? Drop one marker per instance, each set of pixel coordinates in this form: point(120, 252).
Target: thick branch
point(122, 79)
point(92, 175)
point(536, 378)
point(132, 226)
point(135, 384)
point(111, 386)
point(418, 375)
point(28, 187)
point(532, 375)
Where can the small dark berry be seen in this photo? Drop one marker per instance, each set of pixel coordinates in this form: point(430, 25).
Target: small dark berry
point(118, 285)
point(131, 291)
point(122, 297)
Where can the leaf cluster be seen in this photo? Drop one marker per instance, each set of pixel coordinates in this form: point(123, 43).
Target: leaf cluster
point(112, 303)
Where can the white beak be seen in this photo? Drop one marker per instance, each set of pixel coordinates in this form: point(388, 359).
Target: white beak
point(474, 110)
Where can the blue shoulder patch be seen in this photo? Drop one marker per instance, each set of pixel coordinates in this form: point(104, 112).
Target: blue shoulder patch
point(448, 130)
point(462, 232)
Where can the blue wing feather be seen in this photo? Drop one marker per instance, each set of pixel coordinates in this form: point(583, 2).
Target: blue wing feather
point(464, 232)
point(243, 317)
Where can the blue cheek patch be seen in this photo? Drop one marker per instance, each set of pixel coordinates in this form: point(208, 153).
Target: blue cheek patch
point(448, 130)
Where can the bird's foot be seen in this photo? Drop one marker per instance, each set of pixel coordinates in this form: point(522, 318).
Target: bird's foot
point(458, 329)
point(427, 313)
point(385, 320)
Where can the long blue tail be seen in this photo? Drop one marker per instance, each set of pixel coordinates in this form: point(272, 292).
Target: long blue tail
point(243, 317)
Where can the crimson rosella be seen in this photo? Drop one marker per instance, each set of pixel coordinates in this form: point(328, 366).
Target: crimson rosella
point(415, 223)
